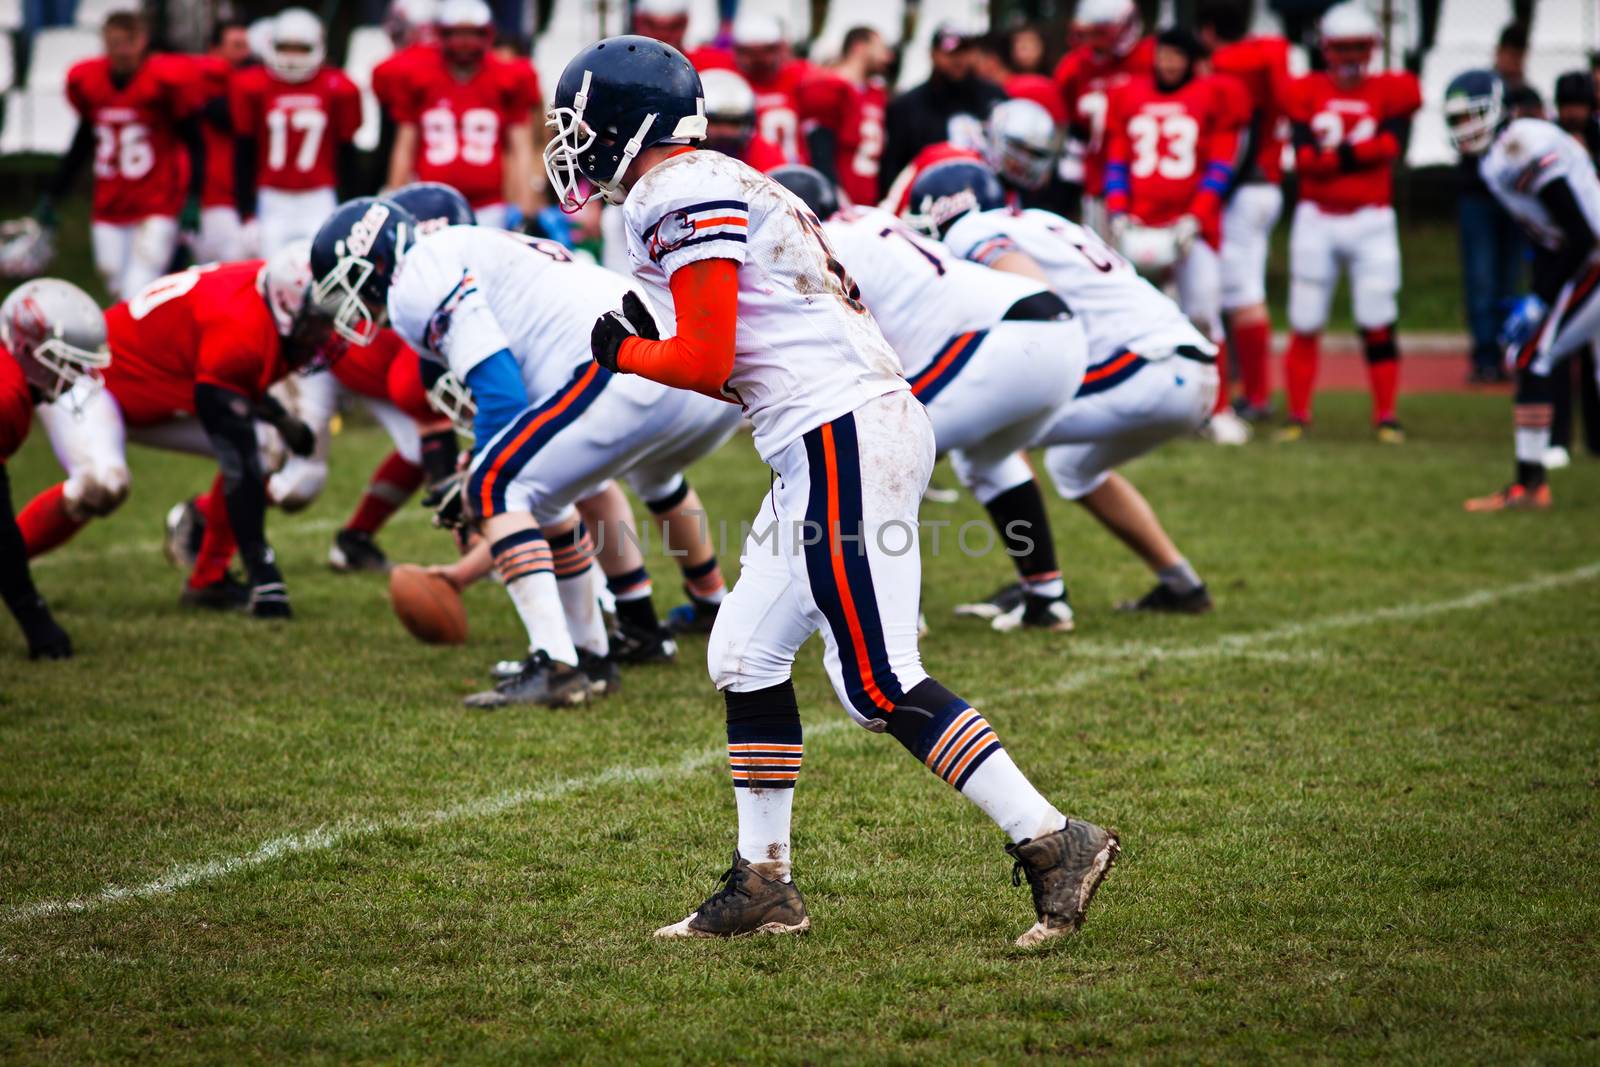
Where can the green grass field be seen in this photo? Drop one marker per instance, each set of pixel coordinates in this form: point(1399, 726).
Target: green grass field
point(1359, 802)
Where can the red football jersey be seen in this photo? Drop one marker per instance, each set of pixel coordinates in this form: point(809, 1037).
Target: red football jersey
point(140, 166)
point(762, 155)
point(212, 74)
point(778, 109)
point(899, 197)
point(855, 114)
point(1171, 154)
point(462, 124)
point(1345, 146)
point(16, 406)
point(1086, 86)
point(1261, 65)
point(387, 369)
point(297, 125)
point(390, 78)
point(206, 324)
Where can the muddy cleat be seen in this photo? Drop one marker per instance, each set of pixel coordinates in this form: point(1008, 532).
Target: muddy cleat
point(1051, 613)
point(695, 617)
point(1006, 598)
point(226, 594)
point(1063, 870)
point(1514, 497)
point(1292, 431)
point(749, 902)
point(185, 529)
point(1226, 428)
point(1196, 601)
point(355, 550)
point(540, 681)
point(1391, 433)
point(604, 677)
point(637, 646)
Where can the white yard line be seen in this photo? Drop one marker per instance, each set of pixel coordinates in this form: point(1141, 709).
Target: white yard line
point(1132, 656)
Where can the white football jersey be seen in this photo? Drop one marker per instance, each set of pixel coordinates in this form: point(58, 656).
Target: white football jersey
point(921, 295)
point(806, 351)
point(1119, 310)
point(1528, 155)
point(463, 293)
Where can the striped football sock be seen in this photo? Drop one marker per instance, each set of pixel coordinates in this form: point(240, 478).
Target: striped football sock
point(764, 754)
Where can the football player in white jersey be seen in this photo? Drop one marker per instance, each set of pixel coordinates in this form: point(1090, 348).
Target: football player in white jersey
point(991, 355)
point(509, 316)
point(766, 314)
point(1152, 376)
point(1545, 179)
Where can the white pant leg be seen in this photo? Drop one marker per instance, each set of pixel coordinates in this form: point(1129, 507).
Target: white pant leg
point(86, 432)
point(155, 239)
point(286, 216)
point(181, 434)
point(401, 428)
point(112, 244)
point(491, 216)
point(221, 236)
point(1246, 240)
point(1313, 267)
point(1572, 322)
point(1199, 276)
point(1372, 251)
point(704, 425)
point(1097, 433)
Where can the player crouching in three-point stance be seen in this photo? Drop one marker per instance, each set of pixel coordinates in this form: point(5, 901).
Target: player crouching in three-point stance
point(1543, 177)
point(766, 315)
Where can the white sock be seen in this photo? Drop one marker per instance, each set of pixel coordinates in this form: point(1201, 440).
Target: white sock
point(1000, 789)
point(580, 603)
point(1054, 588)
point(538, 604)
point(1532, 444)
point(764, 827)
point(1180, 577)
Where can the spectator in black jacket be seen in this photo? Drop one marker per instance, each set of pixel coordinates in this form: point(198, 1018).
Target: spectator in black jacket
point(950, 106)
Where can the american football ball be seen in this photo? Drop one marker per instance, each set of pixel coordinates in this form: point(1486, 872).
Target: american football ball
point(428, 605)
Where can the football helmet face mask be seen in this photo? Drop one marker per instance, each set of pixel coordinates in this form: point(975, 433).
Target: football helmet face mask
point(1474, 110)
point(56, 333)
point(297, 48)
point(454, 401)
point(946, 192)
point(615, 99)
point(1021, 143)
point(811, 186)
point(353, 259)
point(435, 206)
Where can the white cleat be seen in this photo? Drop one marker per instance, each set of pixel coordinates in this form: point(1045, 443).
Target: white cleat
point(1556, 458)
point(1226, 428)
point(1051, 614)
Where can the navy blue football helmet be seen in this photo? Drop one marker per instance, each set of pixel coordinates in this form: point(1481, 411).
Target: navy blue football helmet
point(353, 260)
point(435, 205)
point(1474, 110)
point(810, 185)
point(615, 99)
point(946, 191)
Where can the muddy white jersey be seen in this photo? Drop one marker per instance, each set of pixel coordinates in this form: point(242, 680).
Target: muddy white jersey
point(463, 293)
point(806, 351)
point(921, 295)
point(1119, 309)
point(1528, 155)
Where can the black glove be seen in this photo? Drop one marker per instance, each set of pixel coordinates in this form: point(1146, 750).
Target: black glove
point(1347, 157)
point(298, 437)
point(269, 597)
point(615, 327)
point(46, 638)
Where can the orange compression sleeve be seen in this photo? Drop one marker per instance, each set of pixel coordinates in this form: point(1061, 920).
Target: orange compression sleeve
point(700, 357)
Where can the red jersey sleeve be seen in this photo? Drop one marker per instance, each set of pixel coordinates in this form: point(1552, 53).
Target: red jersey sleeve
point(244, 102)
point(77, 89)
point(237, 354)
point(821, 101)
point(183, 78)
point(1116, 154)
point(16, 406)
point(521, 92)
point(1404, 95)
point(405, 387)
point(344, 106)
point(404, 101)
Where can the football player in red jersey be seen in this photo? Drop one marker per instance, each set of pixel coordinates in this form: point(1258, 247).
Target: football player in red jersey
point(410, 26)
point(466, 118)
point(1348, 128)
point(192, 357)
point(221, 236)
point(293, 118)
point(841, 114)
point(136, 114)
point(1110, 52)
point(1261, 66)
point(731, 121)
point(761, 54)
point(51, 334)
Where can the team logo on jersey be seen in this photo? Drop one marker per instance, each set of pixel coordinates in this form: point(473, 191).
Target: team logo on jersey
point(439, 322)
point(366, 231)
point(673, 230)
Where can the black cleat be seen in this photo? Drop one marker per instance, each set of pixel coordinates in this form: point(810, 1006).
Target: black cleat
point(637, 646)
point(1005, 599)
point(1196, 601)
point(185, 530)
point(695, 617)
point(604, 677)
point(541, 681)
point(1049, 613)
point(1063, 871)
point(751, 901)
point(354, 550)
point(226, 594)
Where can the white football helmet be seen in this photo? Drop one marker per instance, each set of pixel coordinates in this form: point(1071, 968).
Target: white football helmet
point(297, 48)
point(1348, 35)
point(56, 333)
point(1021, 143)
point(730, 102)
point(1110, 27)
point(410, 20)
point(26, 249)
point(757, 29)
point(465, 13)
point(283, 282)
